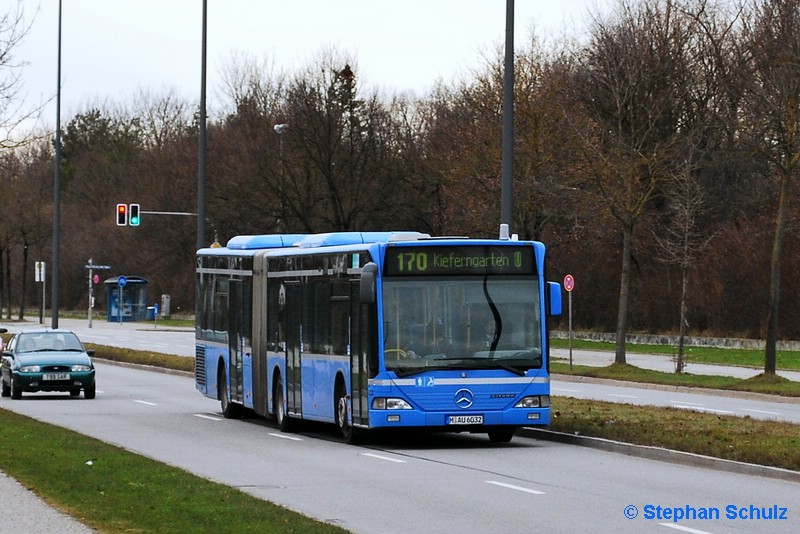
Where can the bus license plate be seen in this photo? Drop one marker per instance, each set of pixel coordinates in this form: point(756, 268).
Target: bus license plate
point(464, 419)
point(55, 376)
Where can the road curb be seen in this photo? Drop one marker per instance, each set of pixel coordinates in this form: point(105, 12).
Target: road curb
point(664, 455)
point(144, 367)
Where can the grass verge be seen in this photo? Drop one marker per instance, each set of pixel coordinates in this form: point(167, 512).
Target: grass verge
point(732, 438)
point(155, 359)
point(123, 492)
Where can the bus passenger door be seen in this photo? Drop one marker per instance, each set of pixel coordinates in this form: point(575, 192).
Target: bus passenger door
point(294, 332)
point(235, 339)
point(359, 368)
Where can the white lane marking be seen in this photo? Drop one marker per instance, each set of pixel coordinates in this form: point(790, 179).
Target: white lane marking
point(761, 411)
point(565, 389)
point(209, 417)
point(284, 436)
point(145, 402)
point(379, 457)
point(518, 488)
point(683, 403)
point(684, 529)
point(699, 408)
point(623, 396)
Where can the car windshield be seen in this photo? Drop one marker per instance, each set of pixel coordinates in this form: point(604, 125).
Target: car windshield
point(49, 341)
point(461, 323)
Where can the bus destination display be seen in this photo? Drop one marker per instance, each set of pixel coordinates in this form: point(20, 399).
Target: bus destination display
point(459, 260)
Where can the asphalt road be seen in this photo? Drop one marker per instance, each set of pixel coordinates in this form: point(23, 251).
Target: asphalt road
point(440, 483)
point(429, 483)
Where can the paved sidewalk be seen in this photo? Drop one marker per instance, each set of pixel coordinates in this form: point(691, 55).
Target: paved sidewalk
point(657, 362)
point(25, 512)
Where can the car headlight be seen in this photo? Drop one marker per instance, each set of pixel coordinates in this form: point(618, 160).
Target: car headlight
point(30, 369)
point(80, 368)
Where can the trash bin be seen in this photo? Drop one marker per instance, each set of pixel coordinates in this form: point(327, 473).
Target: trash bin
point(151, 313)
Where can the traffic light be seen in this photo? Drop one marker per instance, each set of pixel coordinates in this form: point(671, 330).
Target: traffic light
point(122, 214)
point(133, 214)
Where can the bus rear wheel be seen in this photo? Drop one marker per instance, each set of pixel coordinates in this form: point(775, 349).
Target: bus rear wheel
point(279, 407)
point(230, 410)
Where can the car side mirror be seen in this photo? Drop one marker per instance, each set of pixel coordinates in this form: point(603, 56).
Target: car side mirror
point(90, 352)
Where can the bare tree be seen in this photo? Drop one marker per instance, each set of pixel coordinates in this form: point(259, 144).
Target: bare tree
point(773, 114)
point(683, 239)
point(339, 151)
point(632, 83)
point(14, 111)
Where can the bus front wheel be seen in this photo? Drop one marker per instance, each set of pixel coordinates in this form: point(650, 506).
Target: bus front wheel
point(349, 434)
point(502, 434)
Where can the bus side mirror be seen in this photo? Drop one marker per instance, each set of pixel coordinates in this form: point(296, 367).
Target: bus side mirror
point(369, 274)
point(555, 298)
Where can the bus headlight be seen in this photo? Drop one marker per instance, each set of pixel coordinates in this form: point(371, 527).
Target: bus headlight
point(534, 401)
point(389, 403)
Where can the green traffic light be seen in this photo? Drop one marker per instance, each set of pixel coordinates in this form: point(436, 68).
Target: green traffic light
point(133, 219)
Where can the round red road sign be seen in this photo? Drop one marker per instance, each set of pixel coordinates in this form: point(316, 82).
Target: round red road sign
point(569, 282)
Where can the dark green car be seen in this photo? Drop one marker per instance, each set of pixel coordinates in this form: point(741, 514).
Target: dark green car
point(47, 360)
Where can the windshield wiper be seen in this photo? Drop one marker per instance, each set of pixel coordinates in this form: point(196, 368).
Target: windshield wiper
point(417, 370)
point(494, 363)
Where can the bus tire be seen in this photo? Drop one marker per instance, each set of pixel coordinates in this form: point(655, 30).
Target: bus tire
point(230, 410)
point(502, 434)
point(279, 407)
point(349, 434)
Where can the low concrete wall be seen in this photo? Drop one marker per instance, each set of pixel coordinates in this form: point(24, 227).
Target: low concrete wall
point(657, 339)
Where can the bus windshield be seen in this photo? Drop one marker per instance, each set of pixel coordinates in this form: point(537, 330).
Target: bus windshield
point(463, 322)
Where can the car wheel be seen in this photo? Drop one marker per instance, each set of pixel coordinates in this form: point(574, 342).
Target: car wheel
point(6, 389)
point(16, 393)
point(89, 392)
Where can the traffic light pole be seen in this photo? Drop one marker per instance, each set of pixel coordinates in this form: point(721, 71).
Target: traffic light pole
point(168, 213)
point(130, 214)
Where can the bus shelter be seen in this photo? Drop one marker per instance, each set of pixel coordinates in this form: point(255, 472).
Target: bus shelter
point(127, 298)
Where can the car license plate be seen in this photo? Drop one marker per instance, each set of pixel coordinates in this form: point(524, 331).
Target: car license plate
point(55, 376)
point(464, 419)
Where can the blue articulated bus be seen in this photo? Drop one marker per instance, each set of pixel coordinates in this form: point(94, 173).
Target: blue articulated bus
point(377, 330)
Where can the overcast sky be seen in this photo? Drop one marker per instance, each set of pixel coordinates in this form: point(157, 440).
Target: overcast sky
point(113, 49)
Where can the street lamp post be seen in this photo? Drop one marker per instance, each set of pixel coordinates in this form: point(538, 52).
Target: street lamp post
point(281, 129)
point(507, 195)
point(201, 156)
point(57, 187)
